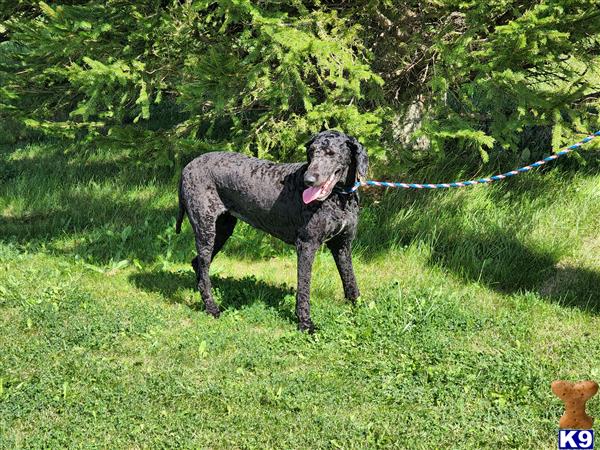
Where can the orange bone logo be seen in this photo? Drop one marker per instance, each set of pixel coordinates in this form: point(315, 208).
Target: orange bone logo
point(575, 395)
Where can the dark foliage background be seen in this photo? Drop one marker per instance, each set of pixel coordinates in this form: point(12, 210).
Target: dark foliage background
point(416, 81)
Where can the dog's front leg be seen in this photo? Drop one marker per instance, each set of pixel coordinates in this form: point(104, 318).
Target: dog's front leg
point(341, 250)
point(306, 256)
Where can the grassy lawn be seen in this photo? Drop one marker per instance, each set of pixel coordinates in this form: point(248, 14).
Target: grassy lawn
point(474, 301)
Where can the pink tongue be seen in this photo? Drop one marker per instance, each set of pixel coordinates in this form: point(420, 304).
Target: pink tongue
point(311, 193)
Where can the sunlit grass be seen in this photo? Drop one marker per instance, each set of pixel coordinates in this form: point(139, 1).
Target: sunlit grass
point(473, 302)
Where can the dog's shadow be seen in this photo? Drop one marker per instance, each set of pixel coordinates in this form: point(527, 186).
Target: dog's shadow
point(231, 293)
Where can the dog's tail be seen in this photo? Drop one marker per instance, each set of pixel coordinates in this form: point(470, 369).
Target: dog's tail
point(182, 211)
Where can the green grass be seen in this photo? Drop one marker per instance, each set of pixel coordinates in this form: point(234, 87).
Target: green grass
point(473, 302)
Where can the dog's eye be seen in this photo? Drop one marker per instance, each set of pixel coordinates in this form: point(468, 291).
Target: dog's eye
point(329, 152)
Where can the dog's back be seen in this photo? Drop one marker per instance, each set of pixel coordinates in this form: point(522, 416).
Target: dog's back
point(262, 193)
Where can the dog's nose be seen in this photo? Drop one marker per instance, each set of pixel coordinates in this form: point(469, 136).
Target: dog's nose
point(309, 179)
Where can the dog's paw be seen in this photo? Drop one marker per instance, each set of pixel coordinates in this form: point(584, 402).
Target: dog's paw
point(308, 327)
point(213, 312)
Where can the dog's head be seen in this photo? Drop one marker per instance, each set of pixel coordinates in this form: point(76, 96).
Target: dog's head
point(333, 159)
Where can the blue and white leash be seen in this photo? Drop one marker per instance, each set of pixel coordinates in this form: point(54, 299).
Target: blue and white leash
point(458, 184)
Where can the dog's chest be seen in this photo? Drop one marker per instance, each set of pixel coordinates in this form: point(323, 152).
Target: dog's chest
point(332, 219)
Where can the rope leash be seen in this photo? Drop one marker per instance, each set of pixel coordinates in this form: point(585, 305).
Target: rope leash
point(458, 184)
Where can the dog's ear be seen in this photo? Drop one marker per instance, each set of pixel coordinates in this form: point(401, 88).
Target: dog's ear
point(360, 157)
point(308, 144)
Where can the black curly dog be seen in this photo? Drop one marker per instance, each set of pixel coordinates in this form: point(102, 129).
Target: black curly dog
point(297, 203)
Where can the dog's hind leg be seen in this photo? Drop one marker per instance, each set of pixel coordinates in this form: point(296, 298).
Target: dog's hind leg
point(342, 254)
point(224, 229)
point(205, 231)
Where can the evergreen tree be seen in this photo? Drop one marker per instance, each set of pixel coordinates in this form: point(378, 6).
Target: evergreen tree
point(166, 78)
